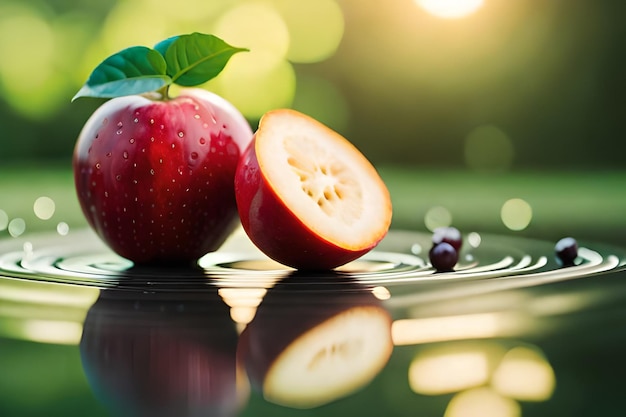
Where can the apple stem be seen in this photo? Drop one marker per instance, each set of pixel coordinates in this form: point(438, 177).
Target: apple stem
point(164, 92)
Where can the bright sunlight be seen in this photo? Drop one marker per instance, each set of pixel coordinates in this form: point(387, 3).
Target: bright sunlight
point(450, 9)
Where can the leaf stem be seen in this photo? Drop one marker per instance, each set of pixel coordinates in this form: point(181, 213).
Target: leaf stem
point(164, 92)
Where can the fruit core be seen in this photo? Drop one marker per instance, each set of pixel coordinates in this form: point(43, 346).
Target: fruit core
point(325, 179)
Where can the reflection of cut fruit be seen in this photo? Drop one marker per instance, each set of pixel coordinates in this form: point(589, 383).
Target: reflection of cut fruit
point(307, 197)
point(312, 345)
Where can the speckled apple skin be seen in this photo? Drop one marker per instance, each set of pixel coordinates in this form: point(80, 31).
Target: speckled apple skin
point(155, 178)
point(276, 230)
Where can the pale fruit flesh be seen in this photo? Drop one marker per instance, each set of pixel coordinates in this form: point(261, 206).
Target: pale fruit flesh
point(323, 179)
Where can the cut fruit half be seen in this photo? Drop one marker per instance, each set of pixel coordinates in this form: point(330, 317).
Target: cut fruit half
point(306, 196)
point(308, 348)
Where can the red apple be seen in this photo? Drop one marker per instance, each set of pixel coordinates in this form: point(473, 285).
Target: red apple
point(154, 174)
point(309, 345)
point(306, 196)
point(162, 354)
point(155, 178)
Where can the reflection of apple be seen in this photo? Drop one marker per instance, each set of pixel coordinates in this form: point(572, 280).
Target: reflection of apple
point(315, 341)
point(306, 196)
point(162, 354)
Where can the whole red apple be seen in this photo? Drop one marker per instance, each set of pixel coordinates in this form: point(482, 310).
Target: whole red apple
point(306, 196)
point(154, 174)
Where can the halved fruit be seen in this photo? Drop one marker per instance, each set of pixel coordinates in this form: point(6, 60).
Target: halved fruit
point(306, 196)
point(310, 346)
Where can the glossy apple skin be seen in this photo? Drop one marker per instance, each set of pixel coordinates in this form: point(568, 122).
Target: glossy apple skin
point(162, 354)
point(292, 308)
point(276, 230)
point(155, 178)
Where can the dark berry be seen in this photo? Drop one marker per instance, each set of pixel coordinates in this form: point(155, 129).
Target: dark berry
point(449, 235)
point(566, 250)
point(443, 257)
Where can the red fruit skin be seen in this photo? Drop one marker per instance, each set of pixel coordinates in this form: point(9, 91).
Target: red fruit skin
point(276, 230)
point(155, 178)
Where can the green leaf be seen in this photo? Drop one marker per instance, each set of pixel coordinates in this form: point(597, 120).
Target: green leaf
point(134, 70)
point(195, 58)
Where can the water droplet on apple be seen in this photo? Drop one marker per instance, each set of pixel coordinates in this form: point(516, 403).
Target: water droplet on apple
point(152, 139)
point(108, 154)
point(131, 140)
point(173, 145)
point(118, 177)
point(120, 124)
point(194, 155)
point(202, 141)
point(125, 155)
point(98, 165)
point(151, 121)
point(119, 132)
point(151, 171)
point(196, 116)
point(136, 120)
point(181, 134)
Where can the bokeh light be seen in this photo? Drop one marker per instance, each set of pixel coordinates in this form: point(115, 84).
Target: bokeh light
point(525, 374)
point(253, 91)
point(315, 28)
point(516, 214)
point(28, 81)
point(258, 27)
point(488, 148)
point(437, 216)
point(63, 228)
point(450, 9)
point(474, 239)
point(44, 207)
point(17, 227)
point(437, 372)
point(482, 401)
point(261, 79)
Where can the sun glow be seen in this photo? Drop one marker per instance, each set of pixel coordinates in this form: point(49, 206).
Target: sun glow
point(450, 9)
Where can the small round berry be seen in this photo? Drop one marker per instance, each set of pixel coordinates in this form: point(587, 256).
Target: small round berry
point(566, 250)
point(443, 257)
point(450, 235)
